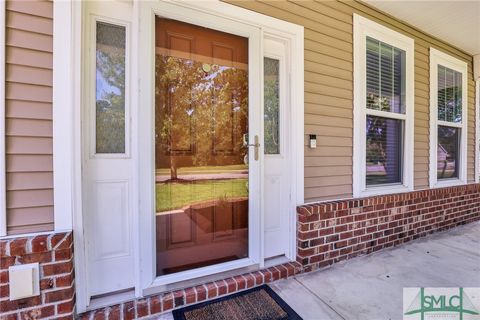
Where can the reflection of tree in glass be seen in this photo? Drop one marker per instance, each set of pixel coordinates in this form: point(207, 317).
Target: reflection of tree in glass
point(271, 107)
point(191, 105)
point(110, 100)
point(375, 131)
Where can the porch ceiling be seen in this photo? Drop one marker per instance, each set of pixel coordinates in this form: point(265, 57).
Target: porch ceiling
point(455, 22)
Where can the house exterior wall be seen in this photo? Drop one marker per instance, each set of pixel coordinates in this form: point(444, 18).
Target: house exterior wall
point(28, 75)
point(328, 101)
point(329, 90)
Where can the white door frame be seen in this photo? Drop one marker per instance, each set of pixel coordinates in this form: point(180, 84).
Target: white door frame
point(67, 82)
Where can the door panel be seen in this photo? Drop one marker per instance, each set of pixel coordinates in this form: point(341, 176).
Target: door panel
point(107, 166)
point(276, 192)
point(201, 115)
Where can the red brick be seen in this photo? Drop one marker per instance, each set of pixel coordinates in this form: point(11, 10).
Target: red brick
point(64, 281)
point(43, 257)
point(201, 293)
point(267, 276)
point(211, 290)
point(9, 317)
point(231, 285)
point(65, 307)
point(6, 262)
point(99, 315)
point(4, 291)
point(129, 310)
point(39, 244)
point(18, 247)
point(62, 254)
point(155, 305)
point(179, 298)
point(222, 287)
point(190, 296)
point(167, 302)
point(3, 276)
point(7, 305)
point(38, 313)
point(59, 295)
point(241, 283)
point(258, 278)
point(47, 283)
point(57, 268)
point(142, 308)
point(250, 280)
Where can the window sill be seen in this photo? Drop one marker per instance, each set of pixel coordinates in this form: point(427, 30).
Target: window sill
point(448, 183)
point(383, 190)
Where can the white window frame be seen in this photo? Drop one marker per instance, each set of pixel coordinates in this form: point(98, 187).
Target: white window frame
point(440, 58)
point(3, 174)
point(477, 130)
point(363, 28)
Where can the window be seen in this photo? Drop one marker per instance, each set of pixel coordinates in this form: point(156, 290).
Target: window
point(383, 110)
point(271, 96)
point(110, 88)
point(448, 119)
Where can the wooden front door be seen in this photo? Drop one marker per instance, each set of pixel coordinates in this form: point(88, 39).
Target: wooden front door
point(201, 157)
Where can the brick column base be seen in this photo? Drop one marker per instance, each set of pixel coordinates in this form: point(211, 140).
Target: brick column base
point(54, 253)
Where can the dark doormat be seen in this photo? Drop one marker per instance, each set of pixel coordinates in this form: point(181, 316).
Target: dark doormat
point(260, 303)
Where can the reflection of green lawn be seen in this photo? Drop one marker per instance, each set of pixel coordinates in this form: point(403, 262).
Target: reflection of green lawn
point(204, 169)
point(175, 195)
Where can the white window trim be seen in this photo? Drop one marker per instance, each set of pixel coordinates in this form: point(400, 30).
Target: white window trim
point(440, 58)
point(362, 28)
point(3, 189)
point(477, 131)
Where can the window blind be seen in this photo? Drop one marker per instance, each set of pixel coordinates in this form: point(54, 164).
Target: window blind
point(385, 77)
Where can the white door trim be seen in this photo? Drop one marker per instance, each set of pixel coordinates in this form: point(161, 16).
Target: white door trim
point(67, 117)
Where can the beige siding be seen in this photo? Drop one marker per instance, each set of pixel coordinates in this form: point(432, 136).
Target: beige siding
point(329, 90)
point(29, 28)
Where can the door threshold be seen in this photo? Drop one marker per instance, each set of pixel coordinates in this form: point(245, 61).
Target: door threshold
point(110, 299)
point(275, 261)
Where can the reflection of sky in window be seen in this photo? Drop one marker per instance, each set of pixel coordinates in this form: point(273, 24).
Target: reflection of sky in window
point(103, 88)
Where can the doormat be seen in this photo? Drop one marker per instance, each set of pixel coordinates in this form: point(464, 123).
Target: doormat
point(260, 303)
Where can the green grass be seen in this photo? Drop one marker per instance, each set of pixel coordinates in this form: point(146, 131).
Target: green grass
point(175, 195)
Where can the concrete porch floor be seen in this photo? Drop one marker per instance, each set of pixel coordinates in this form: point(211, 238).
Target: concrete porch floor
point(371, 287)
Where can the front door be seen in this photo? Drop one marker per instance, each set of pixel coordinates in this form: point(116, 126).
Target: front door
point(201, 147)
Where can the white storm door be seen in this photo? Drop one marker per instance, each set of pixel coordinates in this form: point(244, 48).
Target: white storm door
point(107, 161)
point(276, 187)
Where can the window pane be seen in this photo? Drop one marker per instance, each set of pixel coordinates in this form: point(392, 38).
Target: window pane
point(271, 106)
point(449, 95)
point(110, 88)
point(384, 150)
point(385, 77)
point(448, 152)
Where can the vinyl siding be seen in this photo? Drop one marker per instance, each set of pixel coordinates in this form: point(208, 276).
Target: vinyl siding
point(28, 74)
point(329, 90)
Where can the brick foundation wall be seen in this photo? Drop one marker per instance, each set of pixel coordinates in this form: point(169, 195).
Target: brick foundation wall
point(334, 231)
point(54, 253)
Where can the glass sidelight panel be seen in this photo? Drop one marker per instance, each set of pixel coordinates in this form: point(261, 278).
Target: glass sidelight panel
point(271, 98)
point(110, 88)
point(201, 117)
point(448, 152)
